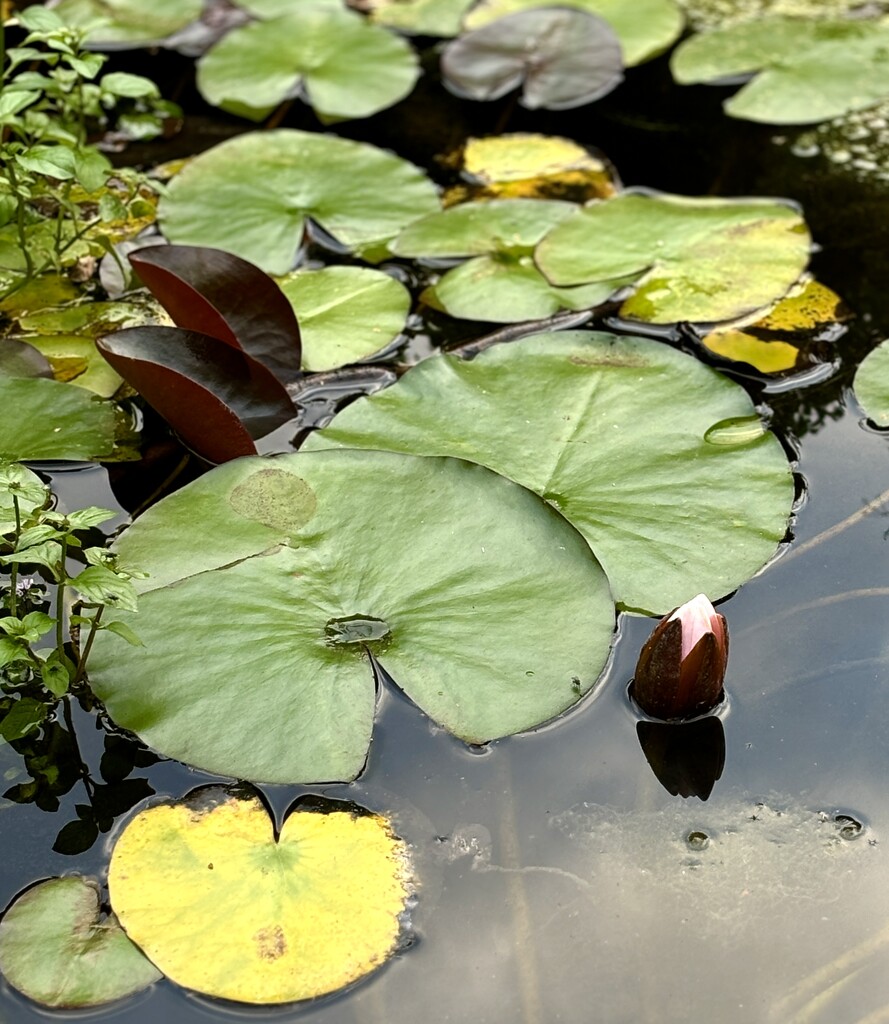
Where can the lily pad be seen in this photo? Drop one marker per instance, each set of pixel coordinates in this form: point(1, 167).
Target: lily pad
point(345, 314)
point(59, 950)
point(419, 17)
point(611, 431)
point(460, 583)
point(227, 908)
point(129, 22)
point(45, 419)
point(501, 283)
point(361, 195)
point(804, 70)
point(645, 28)
point(697, 260)
point(561, 58)
point(340, 63)
point(871, 385)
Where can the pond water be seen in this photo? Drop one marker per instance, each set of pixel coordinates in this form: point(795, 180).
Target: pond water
point(560, 880)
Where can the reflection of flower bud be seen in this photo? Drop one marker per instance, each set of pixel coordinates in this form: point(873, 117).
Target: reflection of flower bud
point(680, 670)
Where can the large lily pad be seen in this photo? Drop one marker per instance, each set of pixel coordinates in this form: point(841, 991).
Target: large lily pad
point(501, 282)
point(228, 909)
point(696, 259)
point(561, 58)
point(464, 586)
point(871, 385)
point(345, 313)
point(45, 419)
point(341, 64)
point(613, 431)
point(252, 194)
point(56, 947)
point(645, 28)
point(805, 70)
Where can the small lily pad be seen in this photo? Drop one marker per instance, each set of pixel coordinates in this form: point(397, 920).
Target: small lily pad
point(129, 22)
point(805, 70)
point(227, 908)
point(645, 28)
point(274, 180)
point(698, 260)
point(477, 581)
point(419, 17)
point(345, 314)
point(58, 948)
point(341, 64)
point(871, 385)
point(611, 431)
point(559, 57)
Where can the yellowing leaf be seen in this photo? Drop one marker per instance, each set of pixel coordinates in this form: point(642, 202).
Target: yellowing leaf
point(809, 306)
point(225, 909)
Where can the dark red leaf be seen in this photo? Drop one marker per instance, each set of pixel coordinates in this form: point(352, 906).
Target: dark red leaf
point(215, 397)
point(216, 293)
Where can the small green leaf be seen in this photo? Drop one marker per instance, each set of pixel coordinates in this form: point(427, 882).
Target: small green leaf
point(85, 518)
point(25, 715)
point(99, 585)
point(91, 168)
point(871, 385)
point(12, 649)
point(53, 161)
point(124, 631)
point(40, 19)
point(56, 677)
point(124, 84)
point(87, 65)
point(49, 553)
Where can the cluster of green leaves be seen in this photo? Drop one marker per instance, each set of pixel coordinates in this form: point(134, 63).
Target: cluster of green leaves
point(51, 177)
point(34, 536)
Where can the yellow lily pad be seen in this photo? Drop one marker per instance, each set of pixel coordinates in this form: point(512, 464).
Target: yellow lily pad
point(224, 908)
point(765, 356)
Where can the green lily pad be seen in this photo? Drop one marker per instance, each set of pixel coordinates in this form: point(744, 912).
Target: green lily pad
point(871, 385)
point(645, 28)
point(419, 17)
point(484, 606)
point(501, 284)
point(805, 70)
point(56, 947)
point(129, 21)
point(345, 314)
point(699, 260)
point(340, 63)
point(610, 430)
point(274, 180)
point(45, 419)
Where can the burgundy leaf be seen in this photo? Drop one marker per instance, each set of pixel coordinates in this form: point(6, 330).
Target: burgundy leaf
point(216, 293)
point(215, 397)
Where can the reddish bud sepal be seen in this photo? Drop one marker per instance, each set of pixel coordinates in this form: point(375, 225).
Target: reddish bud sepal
point(682, 665)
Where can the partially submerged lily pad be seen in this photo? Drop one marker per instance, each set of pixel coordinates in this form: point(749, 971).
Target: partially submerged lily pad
point(471, 583)
point(805, 70)
point(645, 28)
point(59, 949)
point(612, 431)
point(559, 57)
point(345, 314)
point(871, 385)
point(274, 180)
point(698, 260)
point(342, 65)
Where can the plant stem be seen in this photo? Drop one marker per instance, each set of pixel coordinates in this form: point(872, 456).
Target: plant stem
point(87, 647)
point(60, 598)
point(20, 222)
point(14, 566)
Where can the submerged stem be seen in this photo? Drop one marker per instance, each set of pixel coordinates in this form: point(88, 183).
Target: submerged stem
point(837, 528)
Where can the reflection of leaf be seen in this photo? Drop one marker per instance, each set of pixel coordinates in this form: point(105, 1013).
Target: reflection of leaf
point(697, 259)
point(871, 385)
point(45, 419)
point(360, 194)
point(611, 430)
point(561, 58)
point(343, 66)
point(226, 908)
point(297, 555)
point(56, 948)
point(807, 70)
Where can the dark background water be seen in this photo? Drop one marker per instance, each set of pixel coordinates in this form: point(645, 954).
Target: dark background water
point(560, 881)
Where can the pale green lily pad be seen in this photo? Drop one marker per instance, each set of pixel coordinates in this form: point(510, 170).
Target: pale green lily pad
point(420, 17)
point(871, 385)
point(610, 430)
point(58, 950)
point(485, 607)
point(345, 314)
point(252, 194)
point(342, 65)
point(697, 260)
point(129, 21)
point(805, 70)
point(76, 360)
point(45, 419)
point(501, 284)
point(645, 28)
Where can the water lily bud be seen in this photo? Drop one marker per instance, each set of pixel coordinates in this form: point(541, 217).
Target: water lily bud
point(681, 667)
